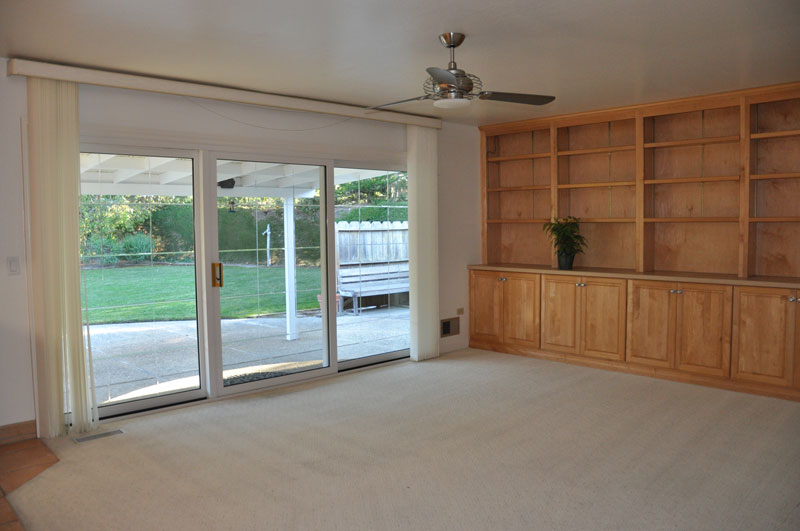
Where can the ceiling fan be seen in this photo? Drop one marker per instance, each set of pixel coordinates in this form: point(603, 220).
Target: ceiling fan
point(454, 88)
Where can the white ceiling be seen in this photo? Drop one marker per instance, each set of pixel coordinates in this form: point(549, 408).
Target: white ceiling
point(589, 54)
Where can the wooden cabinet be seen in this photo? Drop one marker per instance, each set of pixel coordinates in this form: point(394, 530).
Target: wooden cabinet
point(683, 326)
point(521, 309)
point(485, 306)
point(584, 315)
point(504, 309)
point(703, 328)
point(765, 330)
point(742, 338)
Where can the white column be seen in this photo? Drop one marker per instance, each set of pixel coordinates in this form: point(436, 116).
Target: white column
point(423, 240)
point(290, 268)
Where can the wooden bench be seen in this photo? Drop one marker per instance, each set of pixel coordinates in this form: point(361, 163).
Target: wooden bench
point(365, 280)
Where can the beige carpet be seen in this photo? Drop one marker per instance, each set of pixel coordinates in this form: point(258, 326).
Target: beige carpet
point(473, 440)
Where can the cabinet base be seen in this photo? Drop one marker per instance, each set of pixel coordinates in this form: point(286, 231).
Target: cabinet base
point(786, 393)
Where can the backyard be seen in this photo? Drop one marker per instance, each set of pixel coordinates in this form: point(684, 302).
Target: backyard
point(137, 293)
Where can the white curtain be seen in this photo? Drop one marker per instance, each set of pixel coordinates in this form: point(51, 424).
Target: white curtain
point(64, 394)
point(423, 240)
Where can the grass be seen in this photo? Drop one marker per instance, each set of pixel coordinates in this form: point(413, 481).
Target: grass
point(167, 292)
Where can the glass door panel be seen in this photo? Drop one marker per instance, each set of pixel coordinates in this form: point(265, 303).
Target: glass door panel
point(138, 277)
point(269, 239)
point(371, 263)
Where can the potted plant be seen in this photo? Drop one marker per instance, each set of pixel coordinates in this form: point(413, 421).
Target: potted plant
point(567, 239)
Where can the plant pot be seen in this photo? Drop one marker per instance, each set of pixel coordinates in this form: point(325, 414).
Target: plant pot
point(565, 260)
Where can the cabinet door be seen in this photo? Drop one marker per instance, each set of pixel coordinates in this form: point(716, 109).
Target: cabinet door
point(560, 313)
point(703, 329)
point(764, 335)
point(521, 309)
point(651, 323)
point(485, 306)
point(602, 303)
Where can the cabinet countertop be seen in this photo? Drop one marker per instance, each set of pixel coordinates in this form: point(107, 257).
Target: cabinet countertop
point(666, 276)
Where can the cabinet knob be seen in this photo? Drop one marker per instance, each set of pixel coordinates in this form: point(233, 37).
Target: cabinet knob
point(577, 284)
point(499, 279)
point(679, 292)
point(672, 291)
point(792, 299)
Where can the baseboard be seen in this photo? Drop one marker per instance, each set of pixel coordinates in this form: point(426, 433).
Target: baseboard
point(21, 431)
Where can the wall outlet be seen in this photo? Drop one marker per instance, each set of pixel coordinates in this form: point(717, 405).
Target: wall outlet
point(459, 311)
point(450, 327)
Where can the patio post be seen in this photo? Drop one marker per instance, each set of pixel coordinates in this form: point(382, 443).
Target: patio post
point(290, 268)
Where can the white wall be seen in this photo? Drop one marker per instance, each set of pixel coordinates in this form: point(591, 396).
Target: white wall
point(16, 381)
point(459, 223)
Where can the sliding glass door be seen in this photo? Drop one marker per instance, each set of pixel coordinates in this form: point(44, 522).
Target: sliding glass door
point(270, 247)
point(245, 280)
point(138, 280)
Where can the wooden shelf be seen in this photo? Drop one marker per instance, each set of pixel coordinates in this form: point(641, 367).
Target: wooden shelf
point(610, 149)
point(519, 188)
point(683, 180)
point(691, 220)
point(608, 220)
point(775, 134)
point(543, 220)
point(693, 142)
point(518, 157)
point(763, 176)
point(605, 184)
point(782, 219)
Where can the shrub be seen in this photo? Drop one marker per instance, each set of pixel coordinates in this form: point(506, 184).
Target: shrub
point(101, 251)
point(137, 247)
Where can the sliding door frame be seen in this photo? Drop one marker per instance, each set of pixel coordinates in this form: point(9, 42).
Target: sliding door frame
point(168, 399)
point(327, 258)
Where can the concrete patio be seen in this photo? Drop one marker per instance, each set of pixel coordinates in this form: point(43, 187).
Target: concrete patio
point(132, 360)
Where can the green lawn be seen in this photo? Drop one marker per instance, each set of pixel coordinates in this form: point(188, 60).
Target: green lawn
point(167, 292)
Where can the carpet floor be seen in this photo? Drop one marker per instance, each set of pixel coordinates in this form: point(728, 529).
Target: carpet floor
point(471, 440)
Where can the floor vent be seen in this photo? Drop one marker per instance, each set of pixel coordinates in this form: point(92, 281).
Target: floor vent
point(97, 436)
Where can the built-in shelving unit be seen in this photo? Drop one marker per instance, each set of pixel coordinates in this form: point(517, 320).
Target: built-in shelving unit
point(774, 187)
point(707, 185)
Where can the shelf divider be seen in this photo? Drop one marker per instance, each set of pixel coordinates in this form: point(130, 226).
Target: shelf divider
point(518, 157)
point(692, 220)
point(693, 142)
point(682, 180)
point(605, 184)
point(519, 188)
point(610, 149)
point(775, 134)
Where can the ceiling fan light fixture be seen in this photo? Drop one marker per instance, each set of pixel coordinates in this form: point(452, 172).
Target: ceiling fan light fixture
point(451, 103)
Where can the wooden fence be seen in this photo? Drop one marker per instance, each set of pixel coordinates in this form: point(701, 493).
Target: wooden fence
point(371, 242)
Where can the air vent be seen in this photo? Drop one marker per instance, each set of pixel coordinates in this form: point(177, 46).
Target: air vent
point(450, 327)
point(97, 436)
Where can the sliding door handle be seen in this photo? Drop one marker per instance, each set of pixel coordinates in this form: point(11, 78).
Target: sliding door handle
point(216, 274)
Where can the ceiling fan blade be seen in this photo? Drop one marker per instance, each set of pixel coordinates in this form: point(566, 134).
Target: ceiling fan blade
point(442, 76)
point(511, 97)
point(417, 98)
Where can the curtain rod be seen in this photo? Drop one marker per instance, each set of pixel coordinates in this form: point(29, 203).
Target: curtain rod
point(89, 76)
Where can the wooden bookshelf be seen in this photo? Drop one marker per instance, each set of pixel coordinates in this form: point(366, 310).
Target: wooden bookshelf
point(705, 185)
point(774, 187)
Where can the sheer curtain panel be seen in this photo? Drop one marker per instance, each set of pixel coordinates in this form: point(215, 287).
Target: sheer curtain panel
point(64, 394)
point(423, 240)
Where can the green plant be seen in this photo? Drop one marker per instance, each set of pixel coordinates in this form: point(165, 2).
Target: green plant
point(136, 247)
point(565, 234)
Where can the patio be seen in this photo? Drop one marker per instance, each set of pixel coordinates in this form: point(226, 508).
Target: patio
point(133, 360)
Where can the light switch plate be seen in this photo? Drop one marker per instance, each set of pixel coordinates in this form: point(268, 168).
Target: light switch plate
point(13, 265)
